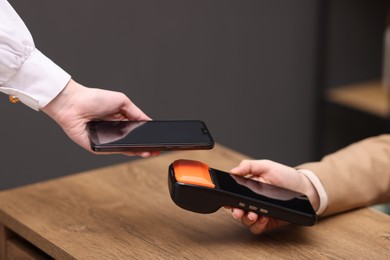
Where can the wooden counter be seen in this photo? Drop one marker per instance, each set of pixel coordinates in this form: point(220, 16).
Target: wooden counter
point(125, 212)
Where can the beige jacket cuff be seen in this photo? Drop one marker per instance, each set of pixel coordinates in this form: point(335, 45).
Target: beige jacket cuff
point(320, 189)
point(356, 176)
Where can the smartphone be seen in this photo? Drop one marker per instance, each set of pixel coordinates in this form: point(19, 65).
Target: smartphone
point(196, 187)
point(154, 135)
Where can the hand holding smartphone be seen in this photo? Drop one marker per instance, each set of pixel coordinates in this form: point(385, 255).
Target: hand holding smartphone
point(155, 135)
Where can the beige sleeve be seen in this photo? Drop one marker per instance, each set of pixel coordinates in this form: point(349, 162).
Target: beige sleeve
point(356, 176)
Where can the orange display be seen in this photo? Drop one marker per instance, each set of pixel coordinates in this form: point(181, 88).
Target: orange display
point(193, 172)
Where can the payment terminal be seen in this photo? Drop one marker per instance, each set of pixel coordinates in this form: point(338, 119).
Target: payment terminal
point(196, 187)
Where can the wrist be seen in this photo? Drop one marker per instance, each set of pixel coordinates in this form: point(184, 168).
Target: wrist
point(63, 101)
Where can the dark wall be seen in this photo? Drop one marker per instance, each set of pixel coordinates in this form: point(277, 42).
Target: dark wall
point(354, 33)
point(247, 68)
point(353, 54)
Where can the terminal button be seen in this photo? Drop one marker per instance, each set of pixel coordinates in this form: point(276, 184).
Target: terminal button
point(252, 207)
point(265, 211)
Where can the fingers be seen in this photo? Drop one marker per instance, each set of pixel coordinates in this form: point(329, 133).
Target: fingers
point(148, 154)
point(260, 226)
point(140, 154)
point(257, 224)
point(251, 167)
point(270, 172)
point(131, 111)
point(237, 213)
point(243, 169)
point(249, 219)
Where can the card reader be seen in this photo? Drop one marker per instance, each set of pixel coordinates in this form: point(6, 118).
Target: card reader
point(196, 187)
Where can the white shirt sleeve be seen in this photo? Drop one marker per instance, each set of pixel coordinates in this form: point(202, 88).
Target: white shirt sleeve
point(24, 71)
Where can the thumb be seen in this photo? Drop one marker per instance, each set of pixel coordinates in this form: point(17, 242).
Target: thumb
point(244, 168)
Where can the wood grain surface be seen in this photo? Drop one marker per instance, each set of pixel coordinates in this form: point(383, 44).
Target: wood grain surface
point(125, 212)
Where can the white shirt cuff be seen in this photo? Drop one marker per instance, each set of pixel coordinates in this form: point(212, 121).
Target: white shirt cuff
point(320, 189)
point(37, 82)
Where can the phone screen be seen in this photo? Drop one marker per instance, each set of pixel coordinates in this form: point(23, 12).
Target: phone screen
point(261, 191)
point(149, 135)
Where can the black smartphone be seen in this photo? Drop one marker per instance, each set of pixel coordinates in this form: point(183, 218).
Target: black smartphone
point(154, 135)
point(196, 187)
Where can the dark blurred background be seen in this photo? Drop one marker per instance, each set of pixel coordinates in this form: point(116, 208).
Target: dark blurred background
point(255, 71)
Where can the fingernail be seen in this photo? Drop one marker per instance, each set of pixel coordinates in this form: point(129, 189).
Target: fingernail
point(235, 215)
point(145, 154)
point(234, 170)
